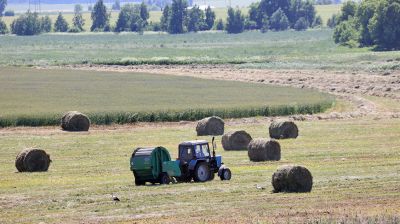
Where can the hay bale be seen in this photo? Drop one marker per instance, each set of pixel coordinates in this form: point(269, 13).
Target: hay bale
point(32, 160)
point(292, 178)
point(264, 150)
point(210, 126)
point(283, 129)
point(235, 140)
point(75, 121)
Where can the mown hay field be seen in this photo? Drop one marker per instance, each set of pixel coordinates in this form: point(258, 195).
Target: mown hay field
point(35, 97)
point(355, 165)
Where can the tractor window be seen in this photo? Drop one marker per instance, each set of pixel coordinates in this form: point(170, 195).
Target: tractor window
point(185, 153)
point(205, 150)
point(198, 151)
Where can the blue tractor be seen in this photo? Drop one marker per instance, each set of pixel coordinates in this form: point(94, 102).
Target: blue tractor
point(197, 163)
point(194, 162)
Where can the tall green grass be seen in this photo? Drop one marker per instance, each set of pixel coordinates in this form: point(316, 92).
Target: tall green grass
point(107, 118)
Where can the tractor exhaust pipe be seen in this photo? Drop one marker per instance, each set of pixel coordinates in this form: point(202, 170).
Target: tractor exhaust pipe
point(214, 145)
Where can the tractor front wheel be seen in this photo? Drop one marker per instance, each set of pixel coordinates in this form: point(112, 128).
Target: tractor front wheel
point(226, 174)
point(202, 172)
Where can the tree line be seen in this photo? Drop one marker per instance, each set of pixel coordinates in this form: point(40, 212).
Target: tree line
point(368, 23)
point(265, 15)
point(176, 18)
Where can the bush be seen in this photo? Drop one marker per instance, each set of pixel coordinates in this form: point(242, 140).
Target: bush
point(265, 25)
point(26, 24)
point(3, 28)
point(317, 22)
point(346, 33)
point(196, 20)
point(384, 25)
point(372, 22)
point(78, 21)
point(331, 23)
point(129, 19)
point(3, 4)
point(9, 13)
point(61, 24)
point(235, 21)
point(209, 18)
point(301, 24)
point(219, 25)
point(45, 24)
point(176, 19)
point(99, 16)
point(348, 11)
point(293, 10)
point(279, 21)
point(249, 24)
point(155, 26)
point(74, 29)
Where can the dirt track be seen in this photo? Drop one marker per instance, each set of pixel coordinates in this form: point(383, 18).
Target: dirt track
point(348, 86)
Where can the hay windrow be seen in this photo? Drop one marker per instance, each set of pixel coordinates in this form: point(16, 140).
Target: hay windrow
point(75, 121)
point(236, 140)
point(283, 130)
point(264, 150)
point(210, 126)
point(292, 178)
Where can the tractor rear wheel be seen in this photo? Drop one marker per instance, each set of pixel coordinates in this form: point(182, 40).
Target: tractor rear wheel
point(202, 172)
point(226, 174)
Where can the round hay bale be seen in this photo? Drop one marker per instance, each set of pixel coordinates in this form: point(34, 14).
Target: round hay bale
point(235, 140)
point(283, 129)
point(75, 121)
point(264, 150)
point(292, 178)
point(210, 126)
point(32, 160)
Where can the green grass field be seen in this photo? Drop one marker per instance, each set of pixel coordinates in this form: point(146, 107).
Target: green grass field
point(325, 11)
point(355, 162)
point(355, 165)
point(40, 97)
point(313, 49)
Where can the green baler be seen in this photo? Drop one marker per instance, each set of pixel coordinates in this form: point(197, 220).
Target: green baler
point(153, 165)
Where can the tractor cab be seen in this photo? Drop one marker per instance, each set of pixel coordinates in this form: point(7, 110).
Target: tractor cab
point(198, 162)
point(194, 150)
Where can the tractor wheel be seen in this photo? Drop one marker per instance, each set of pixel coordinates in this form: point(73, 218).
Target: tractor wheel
point(164, 179)
point(202, 172)
point(226, 174)
point(139, 182)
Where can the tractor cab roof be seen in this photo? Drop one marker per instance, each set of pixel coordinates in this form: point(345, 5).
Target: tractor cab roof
point(194, 142)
